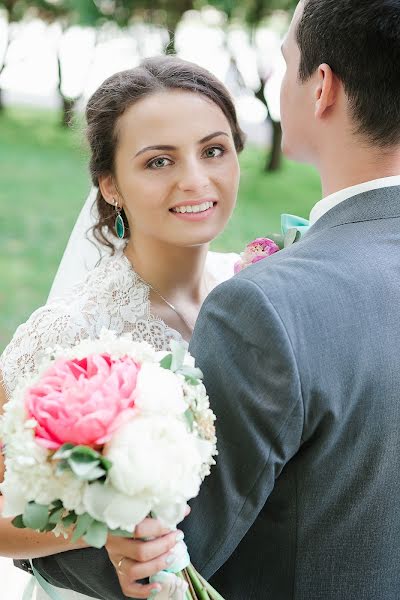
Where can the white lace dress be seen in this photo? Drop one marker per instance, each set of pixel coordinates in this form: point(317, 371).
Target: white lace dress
point(111, 296)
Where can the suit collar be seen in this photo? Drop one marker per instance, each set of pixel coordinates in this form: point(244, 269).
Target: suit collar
point(331, 201)
point(382, 203)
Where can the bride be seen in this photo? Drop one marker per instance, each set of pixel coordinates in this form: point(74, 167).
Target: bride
point(164, 140)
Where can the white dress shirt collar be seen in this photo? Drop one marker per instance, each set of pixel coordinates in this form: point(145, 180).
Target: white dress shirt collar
point(330, 201)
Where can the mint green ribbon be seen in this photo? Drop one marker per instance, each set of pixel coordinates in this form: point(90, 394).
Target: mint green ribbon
point(182, 560)
point(294, 222)
point(293, 228)
point(50, 590)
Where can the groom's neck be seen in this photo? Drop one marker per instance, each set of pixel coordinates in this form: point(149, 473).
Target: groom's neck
point(353, 163)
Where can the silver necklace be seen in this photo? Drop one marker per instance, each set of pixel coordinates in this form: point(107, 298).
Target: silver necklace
point(171, 306)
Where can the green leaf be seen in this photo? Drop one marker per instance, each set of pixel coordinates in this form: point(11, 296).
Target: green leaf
point(85, 451)
point(192, 373)
point(88, 471)
point(121, 533)
point(56, 504)
point(95, 474)
point(35, 516)
point(62, 466)
point(70, 519)
point(49, 527)
point(178, 355)
point(96, 535)
point(18, 522)
point(55, 515)
point(83, 523)
point(189, 416)
point(64, 451)
point(166, 362)
point(105, 463)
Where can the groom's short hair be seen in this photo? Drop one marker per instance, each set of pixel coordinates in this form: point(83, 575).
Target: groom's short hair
point(360, 41)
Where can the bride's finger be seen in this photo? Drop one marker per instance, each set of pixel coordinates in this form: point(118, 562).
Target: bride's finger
point(132, 571)
point(150, 528)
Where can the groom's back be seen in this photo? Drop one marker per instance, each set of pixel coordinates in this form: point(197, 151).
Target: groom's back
point(340, 494)
point(330, 529)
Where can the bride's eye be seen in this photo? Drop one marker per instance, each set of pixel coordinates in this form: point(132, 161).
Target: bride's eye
point(158, 163)
point(214, 152)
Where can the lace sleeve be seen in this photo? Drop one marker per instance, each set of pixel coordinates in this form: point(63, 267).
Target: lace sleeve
point(221, 265)
point(47, 327)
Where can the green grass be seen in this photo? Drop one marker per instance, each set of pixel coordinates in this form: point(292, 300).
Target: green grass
point(44, 182)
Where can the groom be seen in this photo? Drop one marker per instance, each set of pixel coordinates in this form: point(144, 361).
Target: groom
point(301, 352)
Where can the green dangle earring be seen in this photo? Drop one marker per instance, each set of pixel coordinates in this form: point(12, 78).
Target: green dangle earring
point(119, 224)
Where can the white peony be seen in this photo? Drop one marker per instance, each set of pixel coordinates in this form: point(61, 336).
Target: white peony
point(159, 391)
point(156, 457)
point(104, 503)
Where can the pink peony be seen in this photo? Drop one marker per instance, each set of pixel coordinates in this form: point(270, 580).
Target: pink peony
point(256, 251)
point(83, 401)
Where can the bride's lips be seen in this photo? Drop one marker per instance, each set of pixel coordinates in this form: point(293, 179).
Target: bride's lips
point(194, 216)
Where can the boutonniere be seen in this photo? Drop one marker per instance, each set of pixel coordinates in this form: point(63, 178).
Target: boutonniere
point(292, 227)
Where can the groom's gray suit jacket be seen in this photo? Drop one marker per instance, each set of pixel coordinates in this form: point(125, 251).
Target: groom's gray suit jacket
point(301, 356)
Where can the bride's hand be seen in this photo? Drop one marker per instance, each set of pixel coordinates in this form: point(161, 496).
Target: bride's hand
point(135, 559)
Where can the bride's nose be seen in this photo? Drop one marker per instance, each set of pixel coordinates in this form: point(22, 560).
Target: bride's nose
point(193, 176)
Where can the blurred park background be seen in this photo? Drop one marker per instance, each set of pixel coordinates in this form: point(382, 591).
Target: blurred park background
point(55, 53)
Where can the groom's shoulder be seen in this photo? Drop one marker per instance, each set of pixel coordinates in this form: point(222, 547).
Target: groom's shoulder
point(297, 276)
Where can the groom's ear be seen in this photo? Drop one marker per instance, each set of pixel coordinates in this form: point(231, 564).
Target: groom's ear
point(326, 91)
point(108, 188)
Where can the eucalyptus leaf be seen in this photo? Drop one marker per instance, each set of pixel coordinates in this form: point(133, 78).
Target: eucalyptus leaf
point(56, 504)
point(95, 474)
point(70, 519)
point(83, 523)
point(189, 416)
point(82, 468)
point(55, 515)
point(49, 527)
point(192, 372)
point(192, 380)
point(178, 356)
point(36, 516)
point(96, 535)
point(64, 451)
point(166, 362)
point(18, 522)
point(105, 463)
point(85, 451)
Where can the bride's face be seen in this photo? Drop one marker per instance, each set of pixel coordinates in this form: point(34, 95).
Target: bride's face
point(176, 168)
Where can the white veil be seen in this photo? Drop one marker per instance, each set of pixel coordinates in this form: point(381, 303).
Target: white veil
point(82, 252)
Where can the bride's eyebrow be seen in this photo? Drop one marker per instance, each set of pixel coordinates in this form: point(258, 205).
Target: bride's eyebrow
point(164, 147)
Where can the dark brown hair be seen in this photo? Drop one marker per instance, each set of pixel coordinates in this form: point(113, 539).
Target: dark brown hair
point(122, 90)
point(360, 41)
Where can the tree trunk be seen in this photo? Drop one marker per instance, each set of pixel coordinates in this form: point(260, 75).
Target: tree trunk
point(274, 160)
point(68, 111)
point(171, 49)
point(67, 104)
point(3, 64)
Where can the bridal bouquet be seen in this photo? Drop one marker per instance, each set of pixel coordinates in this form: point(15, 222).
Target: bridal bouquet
point(104, 434)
